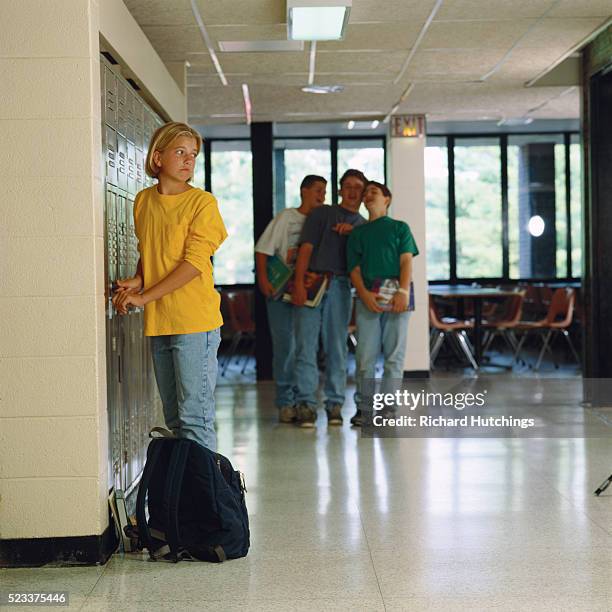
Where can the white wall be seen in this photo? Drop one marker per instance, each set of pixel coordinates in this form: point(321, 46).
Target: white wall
point(406, 173)
point(53, 432)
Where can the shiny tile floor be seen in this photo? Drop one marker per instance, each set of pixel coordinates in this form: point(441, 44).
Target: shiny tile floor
point(344, 523)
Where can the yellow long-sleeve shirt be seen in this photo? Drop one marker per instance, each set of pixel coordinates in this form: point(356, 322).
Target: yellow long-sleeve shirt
point(171, 229)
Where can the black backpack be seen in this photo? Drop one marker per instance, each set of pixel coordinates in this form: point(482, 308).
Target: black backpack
point(195, 501)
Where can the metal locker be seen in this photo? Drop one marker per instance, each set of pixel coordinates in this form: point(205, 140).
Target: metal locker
point(110, 97)
point(122, 162)
point(121, 106)
point(113, 344)
point(133, 401)
point(130, 126)
point(140, 170)
point(138, 124)
point(134, 344)
point(110, 146)
point(131, 168)
point(148, 129)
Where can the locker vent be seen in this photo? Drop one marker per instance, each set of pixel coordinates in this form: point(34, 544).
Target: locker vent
point(109, 57)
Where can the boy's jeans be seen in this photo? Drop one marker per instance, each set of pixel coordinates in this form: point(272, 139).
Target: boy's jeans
point(280, 320)
point(331, 317)
point(186, 372)
point(374, 329)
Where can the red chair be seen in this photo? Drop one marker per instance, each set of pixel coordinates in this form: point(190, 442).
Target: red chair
point(557, 321)
point(239, 308)
point(454, 329)
point(506, 325)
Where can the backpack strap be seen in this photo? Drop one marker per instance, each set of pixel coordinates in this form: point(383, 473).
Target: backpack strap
point(172, 494)
point(141, 516)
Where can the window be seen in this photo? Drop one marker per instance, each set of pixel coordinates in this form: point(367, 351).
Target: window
point(436, 197)
point(478, 207)
point(232, 185)
point(537, 221)
point(293, 160)
point(198, 174)
point(576, 204)
point(365, 155)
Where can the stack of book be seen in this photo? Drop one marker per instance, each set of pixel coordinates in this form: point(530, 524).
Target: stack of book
point(281, 278)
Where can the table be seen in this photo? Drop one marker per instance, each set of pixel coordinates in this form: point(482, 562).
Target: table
point(478, 294)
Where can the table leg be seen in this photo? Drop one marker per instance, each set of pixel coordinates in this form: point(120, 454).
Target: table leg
point(478, 330)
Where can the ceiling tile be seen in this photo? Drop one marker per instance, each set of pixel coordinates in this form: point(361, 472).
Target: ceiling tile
point(250, 32)
point(384, 62)
point(174, 43)
point(492, 9)
point(412, 11)
point(481, 99)
point(375, 36)
point(523, 64)
point(264, 63)
point(582, 8)
point(448, 63)
point(161, 12)
point(558, 32)
point(475, 34)
point(242, 12)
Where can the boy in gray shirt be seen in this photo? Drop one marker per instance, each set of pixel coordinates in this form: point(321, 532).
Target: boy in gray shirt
point(323, 250)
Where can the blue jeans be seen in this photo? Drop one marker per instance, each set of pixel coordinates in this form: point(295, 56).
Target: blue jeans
point(374, 329)
point(186, 373)
point(330, 318)
point(280, 320)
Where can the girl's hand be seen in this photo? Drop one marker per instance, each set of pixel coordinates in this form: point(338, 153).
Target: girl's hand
point(399, 302)
point(370, 301)
point(126, 298)
point(130, 283)
point(343, 228)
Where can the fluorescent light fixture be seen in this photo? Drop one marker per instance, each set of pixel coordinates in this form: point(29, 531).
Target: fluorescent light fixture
point(323, 89)
point(257, 46)
point(350, 125)
point(317, 19)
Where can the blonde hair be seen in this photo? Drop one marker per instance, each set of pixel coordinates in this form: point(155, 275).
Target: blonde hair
point(163, 137)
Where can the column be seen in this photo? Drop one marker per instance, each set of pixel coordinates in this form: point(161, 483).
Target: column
point(407, 182)
point(263, 209)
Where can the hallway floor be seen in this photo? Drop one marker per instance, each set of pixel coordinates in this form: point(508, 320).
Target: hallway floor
point(344, 523)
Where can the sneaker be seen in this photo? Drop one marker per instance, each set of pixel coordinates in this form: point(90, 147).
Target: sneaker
point(287, 414)
point(334, 414)
point(306, 416)
point(357, 419)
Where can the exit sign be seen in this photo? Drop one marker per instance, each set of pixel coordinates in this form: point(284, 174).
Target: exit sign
point(408, 126)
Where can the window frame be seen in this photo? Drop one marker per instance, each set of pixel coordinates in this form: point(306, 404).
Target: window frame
point(452, 217)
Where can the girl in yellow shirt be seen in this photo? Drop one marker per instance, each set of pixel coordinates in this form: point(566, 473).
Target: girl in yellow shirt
point(178, 229)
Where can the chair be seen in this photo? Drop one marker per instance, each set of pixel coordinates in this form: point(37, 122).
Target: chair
point(505, 325)
point(454, 329)
point(238, 305)
point(558, 319)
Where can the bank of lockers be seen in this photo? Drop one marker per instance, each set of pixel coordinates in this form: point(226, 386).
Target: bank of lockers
point(133, 402)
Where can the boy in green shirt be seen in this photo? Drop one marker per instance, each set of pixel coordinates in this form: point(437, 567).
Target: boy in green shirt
point(379, 253)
